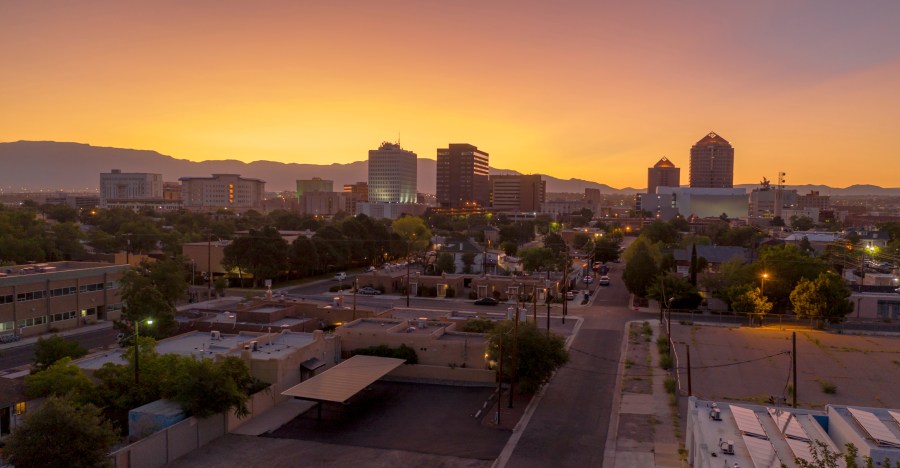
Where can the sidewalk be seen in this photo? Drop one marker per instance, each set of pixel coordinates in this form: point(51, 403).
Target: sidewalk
point(642, 430)
point(100, 325)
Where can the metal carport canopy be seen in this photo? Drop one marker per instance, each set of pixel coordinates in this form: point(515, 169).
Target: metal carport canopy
point(344, 380)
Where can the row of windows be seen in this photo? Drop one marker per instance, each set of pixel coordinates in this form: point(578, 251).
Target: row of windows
point(56, 292)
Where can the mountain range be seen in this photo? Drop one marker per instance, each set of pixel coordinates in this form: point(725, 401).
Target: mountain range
point(49, 165)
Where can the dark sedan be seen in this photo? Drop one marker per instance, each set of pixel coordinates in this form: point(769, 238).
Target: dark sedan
point(487, 301)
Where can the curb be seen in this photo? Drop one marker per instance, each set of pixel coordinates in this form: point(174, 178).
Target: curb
point(513, 441)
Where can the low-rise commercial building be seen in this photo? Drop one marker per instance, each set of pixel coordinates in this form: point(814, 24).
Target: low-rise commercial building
point(37, 299)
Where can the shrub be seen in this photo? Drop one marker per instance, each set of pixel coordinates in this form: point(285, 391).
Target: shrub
point(828, 387)
point(403, 352)
point(665, 361)
point(478, 325)
point(671, 385)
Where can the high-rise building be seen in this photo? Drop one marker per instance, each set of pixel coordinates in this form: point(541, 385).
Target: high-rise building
point(355, 193)
point(462, 177)
point(663, 174)
point(814, 200)
point(228, 191)
point(392, 174)
point(118, 186)
point(712, 163)
point(518, 193)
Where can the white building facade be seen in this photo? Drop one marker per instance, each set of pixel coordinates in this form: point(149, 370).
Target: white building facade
point(118, 186)
point(392, 174)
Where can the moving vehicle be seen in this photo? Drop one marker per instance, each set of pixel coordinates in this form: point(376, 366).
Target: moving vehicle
point(340, 276)
point(588, 279)
point(604, 280)
point(368, 290)
point(487, 301)
point(570, 295)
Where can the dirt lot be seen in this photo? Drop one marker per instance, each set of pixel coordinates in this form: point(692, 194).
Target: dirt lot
point(865, 370)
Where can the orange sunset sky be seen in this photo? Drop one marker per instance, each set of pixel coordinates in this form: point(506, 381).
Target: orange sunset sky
point(598, 90)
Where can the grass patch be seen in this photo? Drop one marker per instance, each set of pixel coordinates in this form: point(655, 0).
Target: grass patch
point(628, 363)
point(662, 344)
point(665, 361)
point(646, 329)
point(827, 387)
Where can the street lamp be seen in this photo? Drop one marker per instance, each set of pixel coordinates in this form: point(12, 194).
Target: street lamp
point(137, 348)
point(762, 291)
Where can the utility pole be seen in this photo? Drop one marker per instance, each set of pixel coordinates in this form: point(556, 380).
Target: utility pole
point(355, 287)
point(209, 265)
point(500, 381)
point(690, 393)
point(512, 370)
point(794, 367)
point(566, 283)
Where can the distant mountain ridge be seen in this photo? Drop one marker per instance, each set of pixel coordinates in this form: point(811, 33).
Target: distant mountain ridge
point(49, 165)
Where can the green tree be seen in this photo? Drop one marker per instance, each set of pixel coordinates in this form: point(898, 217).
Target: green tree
point(303, 256)
point(63, 378)
point(446, 263)
point(509, 248)
point(468, 259)
point(660, 232)
point(205, 388)
point(785, 265)
point(412, 230)
point(751, 301)
point(640, 271)
point(263, 253)
point(143, 300)
point(825, 299)
point(538, 354)
point(478, 325)
point(60, 435)
point(53, 348)
point(679, 292)
point(555, 243)
point(538, 258)
point(802, 223)
point(607, 249)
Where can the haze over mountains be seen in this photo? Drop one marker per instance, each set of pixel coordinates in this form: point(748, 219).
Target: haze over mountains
point(47, 165)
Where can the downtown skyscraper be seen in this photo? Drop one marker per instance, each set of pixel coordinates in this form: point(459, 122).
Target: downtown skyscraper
point(392, 174)
point(712, 163)
point(462, 177)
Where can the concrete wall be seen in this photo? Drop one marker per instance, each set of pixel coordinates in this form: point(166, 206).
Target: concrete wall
point(444, 375)
point(167, 445)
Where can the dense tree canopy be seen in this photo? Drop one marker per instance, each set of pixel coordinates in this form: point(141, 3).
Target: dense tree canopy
point(538, 354)
point(53, 348)
point(825, 298)
point(59, 434)
point(641, 270)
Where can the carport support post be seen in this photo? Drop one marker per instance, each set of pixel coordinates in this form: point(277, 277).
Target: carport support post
point(500, 381)
point(794, 366)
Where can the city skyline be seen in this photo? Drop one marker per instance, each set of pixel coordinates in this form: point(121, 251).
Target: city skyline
point(596, 92)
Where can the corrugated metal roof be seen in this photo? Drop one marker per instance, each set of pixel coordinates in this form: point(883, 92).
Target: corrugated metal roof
point(344, 380)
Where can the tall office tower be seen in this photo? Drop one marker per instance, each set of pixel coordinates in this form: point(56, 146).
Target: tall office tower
point(518, 193)
point(117, 186)
point(462, 177)
point(663, 174)
point(356, 193)
point(316, 184)
point(712, 163)
point(392, 174)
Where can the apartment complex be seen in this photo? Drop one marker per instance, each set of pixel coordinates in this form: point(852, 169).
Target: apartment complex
point(712, 163)
point(462, 177)
point(222, 191)
point(663, 174)
point(35, 299)
point(392, 174)
point(517, 193)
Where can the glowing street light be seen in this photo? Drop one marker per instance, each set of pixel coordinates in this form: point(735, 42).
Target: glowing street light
point(137, 348)
point(765, 276)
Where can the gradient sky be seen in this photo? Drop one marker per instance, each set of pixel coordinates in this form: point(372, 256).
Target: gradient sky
point(598, 90)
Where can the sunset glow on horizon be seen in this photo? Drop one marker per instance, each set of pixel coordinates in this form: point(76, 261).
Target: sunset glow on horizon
point(590, 90)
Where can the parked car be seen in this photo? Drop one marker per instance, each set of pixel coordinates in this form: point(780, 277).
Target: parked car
point(340, 276)
point(368, 290)
point(604, 280)
point(487, 301)
point(570, 295)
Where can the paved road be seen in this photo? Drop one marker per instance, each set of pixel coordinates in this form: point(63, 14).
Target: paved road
point(21, 355)
point(570, 425)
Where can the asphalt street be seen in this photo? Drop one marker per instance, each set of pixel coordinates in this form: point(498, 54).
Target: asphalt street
point(24, 354)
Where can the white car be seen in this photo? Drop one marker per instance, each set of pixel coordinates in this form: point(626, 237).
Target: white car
point(340, 276)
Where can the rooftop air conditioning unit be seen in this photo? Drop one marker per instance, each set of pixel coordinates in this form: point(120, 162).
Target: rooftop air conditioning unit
point(727, 447)
point(216, 335)
point(715, 414)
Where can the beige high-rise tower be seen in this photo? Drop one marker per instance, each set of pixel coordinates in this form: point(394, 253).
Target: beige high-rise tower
point(712, 162)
